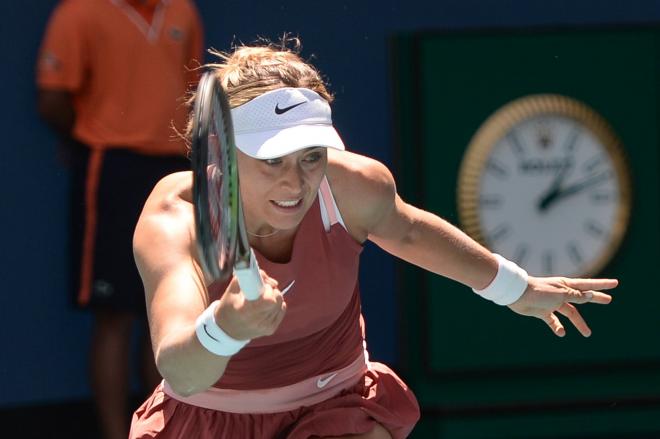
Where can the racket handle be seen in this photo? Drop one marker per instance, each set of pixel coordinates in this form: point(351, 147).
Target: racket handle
point(249, 279)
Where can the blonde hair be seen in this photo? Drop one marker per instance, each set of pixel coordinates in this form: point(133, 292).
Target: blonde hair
point(250, 71)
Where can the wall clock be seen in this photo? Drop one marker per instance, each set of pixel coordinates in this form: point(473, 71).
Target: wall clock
point(544, 182)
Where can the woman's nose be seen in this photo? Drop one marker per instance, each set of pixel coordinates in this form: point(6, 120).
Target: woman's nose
point(292, 178)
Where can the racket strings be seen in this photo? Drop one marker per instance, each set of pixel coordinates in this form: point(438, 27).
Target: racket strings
point(219, 219)
point(220, 185)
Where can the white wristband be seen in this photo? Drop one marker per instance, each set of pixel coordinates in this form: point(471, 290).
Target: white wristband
point(212, 337)
point(509, 284)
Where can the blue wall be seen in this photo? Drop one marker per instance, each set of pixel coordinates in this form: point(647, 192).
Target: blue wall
point(44, 342)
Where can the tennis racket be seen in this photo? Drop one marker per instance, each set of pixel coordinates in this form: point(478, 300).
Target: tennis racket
point(221, 235)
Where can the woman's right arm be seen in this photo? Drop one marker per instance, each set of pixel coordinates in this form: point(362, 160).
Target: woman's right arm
point(176, 293)
point(174, 289)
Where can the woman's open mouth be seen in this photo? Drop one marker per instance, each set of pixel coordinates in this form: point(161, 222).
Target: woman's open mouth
point(288, 205)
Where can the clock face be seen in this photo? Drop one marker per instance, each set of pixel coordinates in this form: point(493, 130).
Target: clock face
point(544, 184)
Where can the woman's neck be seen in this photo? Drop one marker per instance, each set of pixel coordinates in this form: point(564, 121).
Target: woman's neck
point(276, 247)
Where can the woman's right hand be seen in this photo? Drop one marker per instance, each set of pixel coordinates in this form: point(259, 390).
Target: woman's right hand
point(244, 319)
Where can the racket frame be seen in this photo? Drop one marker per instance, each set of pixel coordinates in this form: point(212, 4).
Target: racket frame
point(239, 254)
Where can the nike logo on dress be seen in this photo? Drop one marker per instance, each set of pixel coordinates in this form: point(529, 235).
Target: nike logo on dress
point(322, 382)
point(284, 291)
point(279, 110)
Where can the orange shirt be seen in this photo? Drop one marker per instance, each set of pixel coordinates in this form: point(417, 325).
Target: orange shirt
point(128, 76)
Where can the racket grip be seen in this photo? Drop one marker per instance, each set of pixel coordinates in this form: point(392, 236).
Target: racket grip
point(249, 279)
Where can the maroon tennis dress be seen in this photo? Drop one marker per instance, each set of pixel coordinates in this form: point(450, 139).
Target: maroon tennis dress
point(313, 376)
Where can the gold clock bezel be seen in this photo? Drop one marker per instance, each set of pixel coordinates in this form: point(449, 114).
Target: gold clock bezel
point(498, 125)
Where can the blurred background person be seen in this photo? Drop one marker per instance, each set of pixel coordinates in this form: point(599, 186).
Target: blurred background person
point(111, 78)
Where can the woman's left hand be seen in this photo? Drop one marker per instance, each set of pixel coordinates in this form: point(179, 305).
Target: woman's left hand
point(546, 296)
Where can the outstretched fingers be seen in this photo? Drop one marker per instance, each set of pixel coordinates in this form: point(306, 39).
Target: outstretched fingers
point(592, 284)
point(554, 324)
point(588, 296)
point(587, 290)
point(600, 298)
point(575, 318)
point(560, 295)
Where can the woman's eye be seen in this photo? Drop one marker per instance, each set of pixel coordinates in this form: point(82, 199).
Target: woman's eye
point(313, 157)
point(273, 162)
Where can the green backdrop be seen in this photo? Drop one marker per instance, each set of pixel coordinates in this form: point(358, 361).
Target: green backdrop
point(479, 370)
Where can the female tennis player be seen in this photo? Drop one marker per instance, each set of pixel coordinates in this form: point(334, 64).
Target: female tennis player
point(293, 363)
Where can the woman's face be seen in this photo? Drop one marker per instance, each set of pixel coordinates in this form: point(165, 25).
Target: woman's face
point(277, 193)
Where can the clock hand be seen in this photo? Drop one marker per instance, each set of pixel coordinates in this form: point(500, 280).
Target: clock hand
point(554, 189)
point(584, 184)
point(548, 198)
point(573, 189)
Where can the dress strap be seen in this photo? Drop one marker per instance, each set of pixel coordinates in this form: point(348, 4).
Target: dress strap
point(329, 211)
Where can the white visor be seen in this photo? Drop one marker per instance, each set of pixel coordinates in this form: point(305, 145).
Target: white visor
point(283, 121)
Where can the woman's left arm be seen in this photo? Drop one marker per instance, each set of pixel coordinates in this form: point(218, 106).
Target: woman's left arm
point(430, 242)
